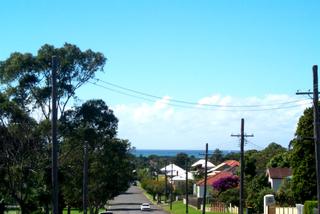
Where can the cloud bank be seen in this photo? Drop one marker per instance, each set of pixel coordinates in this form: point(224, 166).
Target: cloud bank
point(165, 124)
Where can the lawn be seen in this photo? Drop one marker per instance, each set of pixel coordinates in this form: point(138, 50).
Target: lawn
point(65, 211)
point(179, 208)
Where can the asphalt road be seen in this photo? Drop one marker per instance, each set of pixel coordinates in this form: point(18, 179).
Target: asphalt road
point(130, 201)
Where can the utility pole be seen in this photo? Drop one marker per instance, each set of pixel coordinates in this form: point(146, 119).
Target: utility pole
point(55, 192)
point(242, 136)
point(316, 126)
point(166, 183)
point(205, 180)
point(85, 177)
point(171, 189)
point(187, 192)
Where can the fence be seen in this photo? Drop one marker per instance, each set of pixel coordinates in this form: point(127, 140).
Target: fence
point(222, 208)
point(282, 210)
point(286, 210)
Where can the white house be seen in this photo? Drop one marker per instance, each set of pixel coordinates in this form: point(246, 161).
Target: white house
point(277, 175)
point(173, 170)
point(201, 164)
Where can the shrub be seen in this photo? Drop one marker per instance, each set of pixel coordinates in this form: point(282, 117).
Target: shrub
point(308, 207)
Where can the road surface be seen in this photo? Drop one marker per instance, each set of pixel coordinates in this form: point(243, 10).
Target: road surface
point(130, 201)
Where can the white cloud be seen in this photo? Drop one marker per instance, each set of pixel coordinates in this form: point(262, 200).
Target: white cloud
point(160, 125)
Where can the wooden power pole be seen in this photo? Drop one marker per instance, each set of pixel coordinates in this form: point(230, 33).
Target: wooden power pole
point(242, 135)
point(316, 126)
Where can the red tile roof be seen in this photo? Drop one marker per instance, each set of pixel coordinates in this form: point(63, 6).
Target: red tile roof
point(214, 178)
point(279, 173)
point(232, 163)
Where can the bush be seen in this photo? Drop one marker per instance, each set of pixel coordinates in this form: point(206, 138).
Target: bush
point(230, 196)
point(308, 207)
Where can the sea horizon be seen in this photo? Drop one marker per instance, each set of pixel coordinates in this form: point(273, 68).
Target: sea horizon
point(173, 152)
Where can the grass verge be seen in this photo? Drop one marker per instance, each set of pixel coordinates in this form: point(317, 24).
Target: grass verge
point(179, 208)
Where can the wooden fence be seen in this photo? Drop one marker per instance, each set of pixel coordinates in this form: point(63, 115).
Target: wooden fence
point(286, 210)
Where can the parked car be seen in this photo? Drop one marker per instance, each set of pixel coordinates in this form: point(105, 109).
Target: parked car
point(145, 206)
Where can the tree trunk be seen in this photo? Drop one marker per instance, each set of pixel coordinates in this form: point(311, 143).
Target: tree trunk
point(69, 209)
point(46, 207)
point(2, 207)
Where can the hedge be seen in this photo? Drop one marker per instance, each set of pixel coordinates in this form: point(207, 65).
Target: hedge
point(308, 207)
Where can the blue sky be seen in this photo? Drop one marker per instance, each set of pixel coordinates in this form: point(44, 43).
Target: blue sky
point(229, 52)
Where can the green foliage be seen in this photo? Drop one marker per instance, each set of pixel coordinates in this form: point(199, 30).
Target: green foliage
point(279, 160)
point(255, 190)
point(27, 76)
point(284, 195)
point(216, 157)
point(25, 143)
point(308, 207)
point(181, 159)
point(155, 187)
point(302, 158)
point(230, 196)
point(180, 187)
point(264, 156)
point(257, 202)
point(250, 159)
point(110, 168)
point(22, 153)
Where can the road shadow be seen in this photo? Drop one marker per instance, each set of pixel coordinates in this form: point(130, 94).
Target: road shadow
point(129, 193)
point(115, 204)
point(123, 209)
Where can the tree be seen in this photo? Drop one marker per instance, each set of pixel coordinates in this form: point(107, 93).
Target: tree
point(181, 159)
point(27, 77)
point(279, 160)
point(230, 196)
point(21, 154)
point(302, 158)
point(284, 195)
point(264, 156)
point(110, 168)
point(255, 188)
point(26, 89)
point(217, 156)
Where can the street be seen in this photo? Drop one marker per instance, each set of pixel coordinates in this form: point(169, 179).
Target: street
point(130, 201)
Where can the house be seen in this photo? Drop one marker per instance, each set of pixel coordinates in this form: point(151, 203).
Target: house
point(228, 165)
point(198, 188)
point(201, 164)
point(173, 170)
point(277, 175)
point(178, 174)
point(182, 177)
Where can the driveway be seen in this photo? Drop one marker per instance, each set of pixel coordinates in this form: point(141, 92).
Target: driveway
point(130, 201)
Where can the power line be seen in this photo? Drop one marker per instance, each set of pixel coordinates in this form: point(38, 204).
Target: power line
point(196, 105)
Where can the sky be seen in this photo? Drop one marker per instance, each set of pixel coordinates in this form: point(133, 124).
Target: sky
point(211, 55)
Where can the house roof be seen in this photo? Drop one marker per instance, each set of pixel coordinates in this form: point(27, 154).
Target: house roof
point(202, 163)
point(224, 165)
point(279, 173)
point(176, 170)
point(214, 178)
point(182, 177)
point(232, 163)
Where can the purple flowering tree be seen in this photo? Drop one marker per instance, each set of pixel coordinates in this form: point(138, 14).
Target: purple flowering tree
point(226, 183)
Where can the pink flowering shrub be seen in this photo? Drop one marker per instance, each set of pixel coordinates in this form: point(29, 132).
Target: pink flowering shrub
point(226, 183)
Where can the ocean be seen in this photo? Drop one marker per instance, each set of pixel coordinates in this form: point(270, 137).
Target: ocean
point(172, 153)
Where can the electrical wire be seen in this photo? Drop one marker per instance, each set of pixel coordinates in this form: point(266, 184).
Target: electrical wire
point(197, 106)
point(195, 103)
